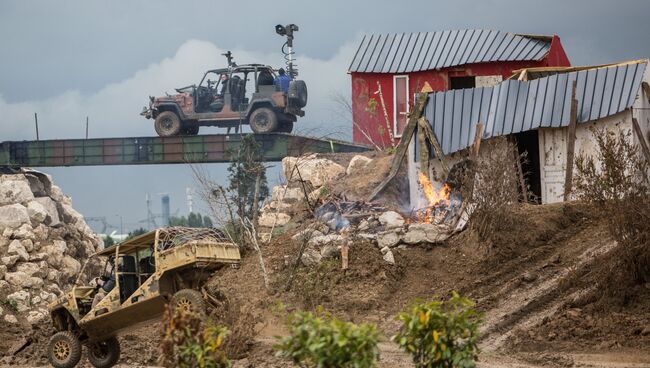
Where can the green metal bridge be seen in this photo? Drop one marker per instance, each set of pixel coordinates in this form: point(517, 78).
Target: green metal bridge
point(158, 150)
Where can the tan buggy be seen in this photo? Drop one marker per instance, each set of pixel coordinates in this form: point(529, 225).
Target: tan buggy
point(140, 277)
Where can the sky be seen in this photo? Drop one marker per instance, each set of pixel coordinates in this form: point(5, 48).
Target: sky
point(67, 60)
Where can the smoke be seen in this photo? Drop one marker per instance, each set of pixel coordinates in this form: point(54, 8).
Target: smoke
point(114, 110)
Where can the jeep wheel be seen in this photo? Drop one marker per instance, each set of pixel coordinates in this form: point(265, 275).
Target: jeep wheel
point(64, 350)
point(104, 354)
point(285, 127)
point(189, 301)
point(263, 120)
point(168, 124)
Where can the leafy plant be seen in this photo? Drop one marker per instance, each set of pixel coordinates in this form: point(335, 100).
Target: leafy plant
point(320, 340)
point(440, 334)
point(189, 341)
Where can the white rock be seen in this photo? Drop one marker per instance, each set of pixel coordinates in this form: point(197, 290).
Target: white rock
point(31, 269)
point(25, 231)
point(391, 219)
point(52, 218)
point(325, 239)
point(3, 271)
point(306, 234)
point(388, 257)
point(426, 233)
point(357, 163)
point(17, 248)
point(17, 279)
point(13, 215)
point(311, 257)
point(384, 250)
point(34, 282)
point(36, 186)
point(281, 193)
point(11, 319)
point(57, 194)
point(35, 317)
point(9, 261)
point(37, 212)
point(1, 311)
point(15, 191)
point(317, 171)
point(388, 239)
point(20, 299)
point(41, 232)
point(70, 215)
point(330, 251)
point(368, 236)
point(35, 257)
point(28, 244)
point(267, 219)
point(69, 266)
point(272, 206)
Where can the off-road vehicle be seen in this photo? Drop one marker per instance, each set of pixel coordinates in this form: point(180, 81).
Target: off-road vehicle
point(223, 98)
point(163, 268)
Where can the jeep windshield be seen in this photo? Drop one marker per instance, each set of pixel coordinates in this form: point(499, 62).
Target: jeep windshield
point(188, 89)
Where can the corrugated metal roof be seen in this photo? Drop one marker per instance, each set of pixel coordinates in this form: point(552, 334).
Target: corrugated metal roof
point(411, 52)
point(515, 106)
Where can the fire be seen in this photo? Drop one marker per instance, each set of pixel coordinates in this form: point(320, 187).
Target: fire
point(434, 197)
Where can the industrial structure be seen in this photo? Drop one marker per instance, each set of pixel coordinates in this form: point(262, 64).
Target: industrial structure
point(388, 69)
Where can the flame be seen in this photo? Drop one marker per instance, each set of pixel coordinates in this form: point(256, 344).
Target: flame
point(436, 198)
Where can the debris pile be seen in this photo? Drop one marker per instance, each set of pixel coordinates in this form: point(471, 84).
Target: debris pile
point(336, 222)
point(43, 241)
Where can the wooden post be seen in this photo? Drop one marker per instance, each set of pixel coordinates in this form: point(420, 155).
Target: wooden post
point(520, 171)
point(570, 144)
point(478, 136)
point(642, 142)
point(36, 121)
point(345, 249)
point(86, 127)
point(400, 152)
point(427, 133)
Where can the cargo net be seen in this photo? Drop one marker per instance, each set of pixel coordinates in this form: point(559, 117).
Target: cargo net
point(171, 237)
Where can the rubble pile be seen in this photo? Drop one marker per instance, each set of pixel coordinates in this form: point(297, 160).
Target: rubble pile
point(43, 241)
point(340, 223)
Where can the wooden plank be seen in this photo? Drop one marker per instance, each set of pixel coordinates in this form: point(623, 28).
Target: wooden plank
point(427, 132)
point(646, 90)
point(571, 143)
point(642, 141)
point(478, 136)
point(520, 171)
point(400, 152)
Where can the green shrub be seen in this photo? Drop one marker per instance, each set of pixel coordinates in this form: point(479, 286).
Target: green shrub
point(189, 341)
point(322, 341)
point(440, 334)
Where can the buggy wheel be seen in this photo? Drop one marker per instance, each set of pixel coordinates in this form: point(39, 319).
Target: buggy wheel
point(64, 350)
point(263, 120)
point(168, 124)
point(191, 129)
point(286, 127)
point(189, 300)
point(104, 354)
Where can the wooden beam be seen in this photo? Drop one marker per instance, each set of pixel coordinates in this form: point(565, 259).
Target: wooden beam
point(642, 141)
point(520, 171)
point(478, 136)
point(400, 152)
point(424, 129)
point(570, 144)
point(646, 89)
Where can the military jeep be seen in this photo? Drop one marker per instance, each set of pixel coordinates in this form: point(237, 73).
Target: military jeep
point(223, 98)
point(164, 268)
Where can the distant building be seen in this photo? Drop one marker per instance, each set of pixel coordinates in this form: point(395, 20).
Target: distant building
point(405, 63)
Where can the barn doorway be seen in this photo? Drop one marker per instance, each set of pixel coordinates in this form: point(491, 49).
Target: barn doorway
point(529, 142)
point(462, 82)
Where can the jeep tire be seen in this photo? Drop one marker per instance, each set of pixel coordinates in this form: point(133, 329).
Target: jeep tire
point(285, 127)
point(189, 301)
point(168, 124)
point(263, 120)
point(104, 354)
point(191, 129)
point(64, 350)
point(297, 93)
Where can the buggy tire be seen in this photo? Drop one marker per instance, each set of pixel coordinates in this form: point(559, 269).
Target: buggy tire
point(190, 301)
point(263, 120)
point(285, 127)
point(168, 124)
point(297, 93)
point(104, 354)
point(64, 350)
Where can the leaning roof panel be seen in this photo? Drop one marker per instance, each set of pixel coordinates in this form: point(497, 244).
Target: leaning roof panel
point(412, 52)
point(515, 106)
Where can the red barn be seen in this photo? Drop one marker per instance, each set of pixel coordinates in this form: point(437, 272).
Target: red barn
point(400, 65)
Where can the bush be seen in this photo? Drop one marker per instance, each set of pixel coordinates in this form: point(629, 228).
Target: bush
point(616, 182)
point(320, 340)
point(440, 334)
point(189, 341)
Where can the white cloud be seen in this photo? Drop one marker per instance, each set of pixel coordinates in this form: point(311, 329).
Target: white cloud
point(114, 109)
